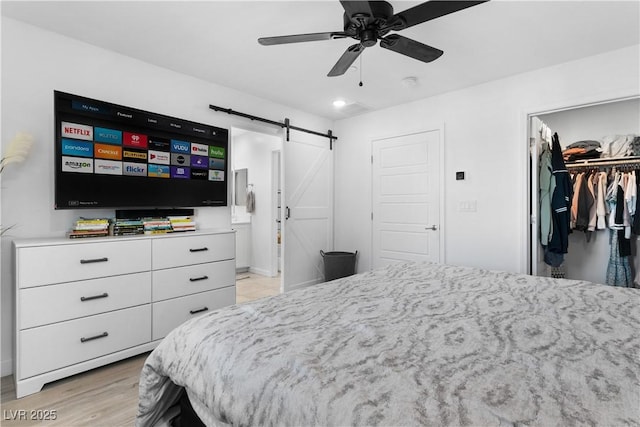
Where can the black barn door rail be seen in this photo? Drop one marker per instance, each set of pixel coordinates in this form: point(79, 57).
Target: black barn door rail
point(286, 124)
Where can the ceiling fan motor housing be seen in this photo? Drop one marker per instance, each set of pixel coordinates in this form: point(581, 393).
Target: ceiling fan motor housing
point(379, 10)
point(368, 37)
point(365, 24)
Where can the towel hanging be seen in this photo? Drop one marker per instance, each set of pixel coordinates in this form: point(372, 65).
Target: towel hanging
point(251, 199)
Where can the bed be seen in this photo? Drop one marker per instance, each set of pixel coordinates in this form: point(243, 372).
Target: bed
point(410, 344)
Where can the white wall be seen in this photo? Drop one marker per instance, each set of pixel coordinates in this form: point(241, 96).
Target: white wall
point(252, 150)
point(34, 64)
point(485, 136)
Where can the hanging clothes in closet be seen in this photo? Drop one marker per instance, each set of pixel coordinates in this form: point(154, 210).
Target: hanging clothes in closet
point(608, 200)
point(620, 197)
point(546, 185)
point(561, 199)
point(589, 196)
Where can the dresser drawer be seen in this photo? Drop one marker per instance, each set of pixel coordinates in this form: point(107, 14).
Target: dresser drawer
point(180, 281)
point(42, 305)
point(188, 250)
point(171, 313)
point(55, 346)
point(43, 265)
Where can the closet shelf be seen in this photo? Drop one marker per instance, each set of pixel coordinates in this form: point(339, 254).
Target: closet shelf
point(620, 161)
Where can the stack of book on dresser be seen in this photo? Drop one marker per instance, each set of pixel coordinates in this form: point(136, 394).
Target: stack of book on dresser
point(127, 227)
point(182, 223)
point(90, 227)
point(156, 225)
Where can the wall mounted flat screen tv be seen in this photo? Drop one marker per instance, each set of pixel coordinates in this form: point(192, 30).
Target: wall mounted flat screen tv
point(108, 155)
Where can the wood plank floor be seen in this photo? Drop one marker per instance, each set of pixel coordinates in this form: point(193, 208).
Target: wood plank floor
point(250, 286)
point(106, 396)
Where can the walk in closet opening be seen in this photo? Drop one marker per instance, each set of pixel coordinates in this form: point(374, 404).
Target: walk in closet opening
point(600, 151)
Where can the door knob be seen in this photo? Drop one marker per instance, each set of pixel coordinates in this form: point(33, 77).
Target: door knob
point(433, 227)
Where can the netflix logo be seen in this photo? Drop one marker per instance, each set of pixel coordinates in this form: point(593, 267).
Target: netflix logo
point(77, 131)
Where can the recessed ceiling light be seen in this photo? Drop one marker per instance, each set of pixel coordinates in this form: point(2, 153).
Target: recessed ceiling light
point(339, 103)
point(409, 82)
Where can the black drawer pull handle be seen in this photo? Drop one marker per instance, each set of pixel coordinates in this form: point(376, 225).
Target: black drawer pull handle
point(196, 279)
point(199, 311)
point(89, 261)
point(102, 335)
point(199, 249)
point(94, 297)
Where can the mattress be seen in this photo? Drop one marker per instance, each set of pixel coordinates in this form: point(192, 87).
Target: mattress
point(409, 344)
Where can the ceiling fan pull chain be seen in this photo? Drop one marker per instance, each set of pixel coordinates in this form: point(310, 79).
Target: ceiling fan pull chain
point(361, 84)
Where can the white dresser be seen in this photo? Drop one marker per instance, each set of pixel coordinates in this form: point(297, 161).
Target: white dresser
point(84, 303)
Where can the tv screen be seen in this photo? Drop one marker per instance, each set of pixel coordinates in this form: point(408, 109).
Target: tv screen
point(108, 155)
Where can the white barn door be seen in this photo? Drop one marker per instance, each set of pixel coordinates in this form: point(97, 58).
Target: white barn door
point(406, 198)
point(308, 208)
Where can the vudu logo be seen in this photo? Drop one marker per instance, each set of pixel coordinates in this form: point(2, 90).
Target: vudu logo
point(180, 146)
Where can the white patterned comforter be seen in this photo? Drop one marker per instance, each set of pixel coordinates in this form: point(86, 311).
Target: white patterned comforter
point(412, 344)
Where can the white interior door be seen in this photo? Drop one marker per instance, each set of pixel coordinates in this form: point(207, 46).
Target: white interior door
point(406, 198)
point(308, 208)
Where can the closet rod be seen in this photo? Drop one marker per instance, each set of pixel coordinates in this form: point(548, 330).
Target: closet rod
point(597, 163)
point(286, 124)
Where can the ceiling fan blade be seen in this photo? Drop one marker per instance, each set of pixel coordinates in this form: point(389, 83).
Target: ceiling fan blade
point(409, 47)
point(345, 61)
point(298, 38)
point(427, 11)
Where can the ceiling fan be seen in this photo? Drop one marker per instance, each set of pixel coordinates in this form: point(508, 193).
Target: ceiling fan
point(370, 21)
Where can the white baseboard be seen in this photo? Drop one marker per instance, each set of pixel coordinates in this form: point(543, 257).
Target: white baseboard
point(261, 271)
point(6, 367)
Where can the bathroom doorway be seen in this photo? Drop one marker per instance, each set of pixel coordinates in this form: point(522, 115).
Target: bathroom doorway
point(255, 212)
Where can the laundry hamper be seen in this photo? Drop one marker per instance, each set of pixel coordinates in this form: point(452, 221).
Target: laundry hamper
point(338, 264)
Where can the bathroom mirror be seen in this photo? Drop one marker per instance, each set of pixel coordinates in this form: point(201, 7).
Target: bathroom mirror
point(240, 191)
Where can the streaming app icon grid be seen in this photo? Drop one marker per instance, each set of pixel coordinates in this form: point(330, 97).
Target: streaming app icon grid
point(101, 150)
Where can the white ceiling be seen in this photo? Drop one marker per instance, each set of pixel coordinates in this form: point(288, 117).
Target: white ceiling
point(217, 41)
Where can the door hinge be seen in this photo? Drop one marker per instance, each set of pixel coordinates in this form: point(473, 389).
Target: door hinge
point(372, 159)
point(371, 216)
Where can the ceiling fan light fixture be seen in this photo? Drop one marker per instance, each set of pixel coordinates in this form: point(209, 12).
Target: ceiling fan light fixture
point(339, 103)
